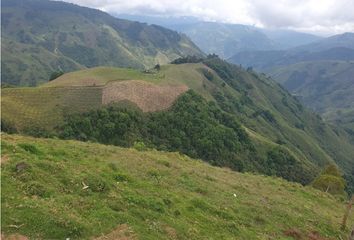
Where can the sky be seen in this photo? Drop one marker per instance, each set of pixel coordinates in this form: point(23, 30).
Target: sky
point(322, 17)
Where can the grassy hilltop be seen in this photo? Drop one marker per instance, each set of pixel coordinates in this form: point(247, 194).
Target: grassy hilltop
point(150, 195)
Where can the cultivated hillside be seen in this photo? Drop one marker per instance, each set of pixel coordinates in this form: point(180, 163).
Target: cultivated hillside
point(55, 189)
point(195, 108)
point(40, 37)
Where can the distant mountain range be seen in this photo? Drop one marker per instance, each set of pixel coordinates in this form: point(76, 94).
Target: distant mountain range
point(40, 37)
point(321, 74)
point(225, 39)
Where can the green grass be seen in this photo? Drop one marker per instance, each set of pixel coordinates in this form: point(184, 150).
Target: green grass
point(152, 192)
point(99, 76)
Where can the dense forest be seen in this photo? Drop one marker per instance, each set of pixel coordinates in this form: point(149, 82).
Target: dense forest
point(193, 126)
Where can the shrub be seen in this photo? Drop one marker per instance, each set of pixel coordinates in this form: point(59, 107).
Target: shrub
point(36, 189)
point(55, 75)
point(140, 146)
point(8, 127)
point(330, 180)
point(121, 177)
point(208, 74)
point(29, 148)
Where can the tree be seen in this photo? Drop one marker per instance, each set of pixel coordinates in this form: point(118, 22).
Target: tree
point(157, 67)
point(330, 180)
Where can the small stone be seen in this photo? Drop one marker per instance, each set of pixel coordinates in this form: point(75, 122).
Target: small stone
point(21, 166)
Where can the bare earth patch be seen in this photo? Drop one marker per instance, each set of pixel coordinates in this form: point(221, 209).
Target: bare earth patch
point(122, 232)
point(147, 96)
point(4, 159)
point(13, 237)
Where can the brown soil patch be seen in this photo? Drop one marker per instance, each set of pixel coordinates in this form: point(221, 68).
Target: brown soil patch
point(122, 232)
point(298, 235)
point(147, 96)
point(14, 237)
point(4, 159)
point(171, 232)
point(294, 233)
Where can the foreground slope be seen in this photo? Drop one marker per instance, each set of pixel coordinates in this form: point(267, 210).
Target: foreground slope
point(55, 189)
point(40, 37)
point(272, 118)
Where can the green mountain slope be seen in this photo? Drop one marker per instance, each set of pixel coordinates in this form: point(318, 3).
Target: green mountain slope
point(320, 74)
point(226, 39)
point(40, 37)
point(338, 47)
point(280, 130)
point(54, 189)
point(326, 86)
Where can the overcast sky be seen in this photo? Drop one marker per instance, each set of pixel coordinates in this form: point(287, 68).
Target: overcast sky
point(324, 17)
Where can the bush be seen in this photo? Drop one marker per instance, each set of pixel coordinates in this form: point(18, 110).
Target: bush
point(330, 180)
point(36, 189)
point(8, 127)
point(30, 148)
point(208, 74)
point(140, 146)
point(188, 59)
point(55, 75)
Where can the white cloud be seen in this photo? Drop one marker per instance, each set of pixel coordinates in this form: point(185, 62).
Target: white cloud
point(317, 16)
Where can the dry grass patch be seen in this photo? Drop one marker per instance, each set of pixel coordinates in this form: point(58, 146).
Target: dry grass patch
point(122, 232)
point(148, 97)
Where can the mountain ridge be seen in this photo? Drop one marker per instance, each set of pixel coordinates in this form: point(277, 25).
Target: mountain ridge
point(75, 37)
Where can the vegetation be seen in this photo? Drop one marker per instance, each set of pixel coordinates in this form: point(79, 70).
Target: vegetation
point(330, 180)
point(192, 126)
point(55, 189)
point(319, 74)
point(75, 37)
point(272, 118)
point(55, 75)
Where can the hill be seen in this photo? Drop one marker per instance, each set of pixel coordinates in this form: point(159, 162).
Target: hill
point(326, 86)
point(338, 47)
point(195, 108)
point(320, 74)
point(55, 189)
point(225, 39)
point(286, 39)
point(40, 37)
